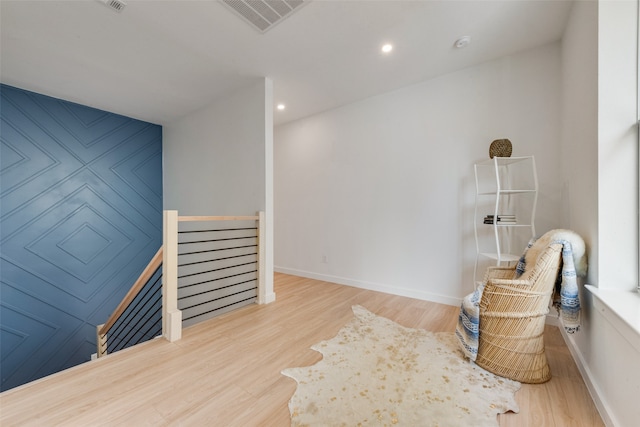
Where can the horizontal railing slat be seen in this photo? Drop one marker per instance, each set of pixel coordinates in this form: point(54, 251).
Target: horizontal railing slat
point(148, 295)
point(219, 283)
point(137, 286)
point(214, 308)
point(215, 294)
point(218, 218)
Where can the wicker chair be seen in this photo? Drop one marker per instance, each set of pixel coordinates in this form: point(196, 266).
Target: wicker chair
point(512, 317)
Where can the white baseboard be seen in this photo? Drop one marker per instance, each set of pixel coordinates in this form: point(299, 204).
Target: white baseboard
point(594, 390)
point(379, 287)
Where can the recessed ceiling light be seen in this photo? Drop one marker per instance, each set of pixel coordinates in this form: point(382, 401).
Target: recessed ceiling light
point(386, 48)
point(462, 42)
point(281, 107)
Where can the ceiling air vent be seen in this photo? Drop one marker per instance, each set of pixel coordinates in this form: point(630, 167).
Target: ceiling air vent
point(116, 5)
point(264, 14)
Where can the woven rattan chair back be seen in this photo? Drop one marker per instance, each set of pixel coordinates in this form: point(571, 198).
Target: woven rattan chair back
point(512, 319)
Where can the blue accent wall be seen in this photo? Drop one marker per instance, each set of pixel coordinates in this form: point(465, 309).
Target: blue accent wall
point(80, 218)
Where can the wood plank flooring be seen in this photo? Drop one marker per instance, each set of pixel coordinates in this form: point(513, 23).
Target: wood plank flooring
point(226, 371)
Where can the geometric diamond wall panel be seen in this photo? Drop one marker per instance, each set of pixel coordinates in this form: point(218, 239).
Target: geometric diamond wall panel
point(33, 329)
point(10, 157)
point(27, 159)
point(80, 218)
point(85, 243)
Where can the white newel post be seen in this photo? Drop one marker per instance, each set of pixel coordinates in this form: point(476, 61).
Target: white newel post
point(171, 316)
point(101, 340)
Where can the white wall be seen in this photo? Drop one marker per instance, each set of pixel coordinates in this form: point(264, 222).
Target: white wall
point(214, 159)
point(600, 163)
point(384, 188)
point(617, 144)
point(219, 160)
point(580, 125)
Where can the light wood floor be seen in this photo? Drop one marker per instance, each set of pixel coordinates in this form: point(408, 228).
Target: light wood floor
point(226, 371)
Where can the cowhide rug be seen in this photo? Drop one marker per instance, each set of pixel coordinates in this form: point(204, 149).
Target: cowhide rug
point(378, 373)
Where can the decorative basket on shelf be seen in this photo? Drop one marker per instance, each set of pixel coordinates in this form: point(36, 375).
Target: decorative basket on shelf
point(500, 148)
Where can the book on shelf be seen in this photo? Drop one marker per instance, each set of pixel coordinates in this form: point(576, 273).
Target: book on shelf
point(501, 219)
point(490, 221)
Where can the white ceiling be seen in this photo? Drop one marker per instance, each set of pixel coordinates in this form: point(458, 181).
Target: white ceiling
point(160, 60)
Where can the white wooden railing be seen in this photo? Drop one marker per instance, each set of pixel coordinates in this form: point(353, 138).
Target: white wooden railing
point(168, 255)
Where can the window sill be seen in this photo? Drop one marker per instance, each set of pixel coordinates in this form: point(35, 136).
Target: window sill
point(621, 309)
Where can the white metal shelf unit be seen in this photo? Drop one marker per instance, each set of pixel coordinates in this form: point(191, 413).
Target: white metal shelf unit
point(504, 214)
